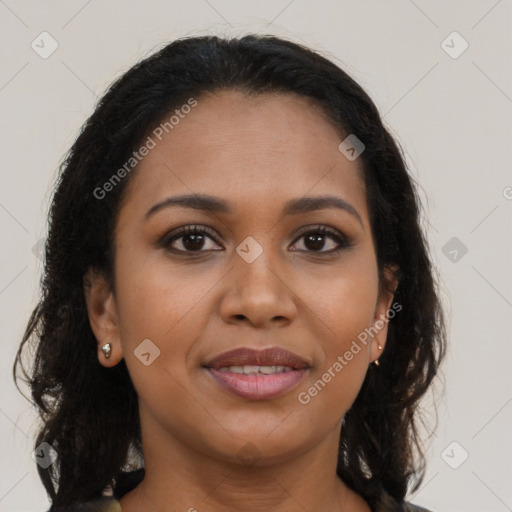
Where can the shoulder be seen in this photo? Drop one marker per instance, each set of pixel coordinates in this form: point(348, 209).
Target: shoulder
point(100, 505)
point(390, 505)
point(409, 507)
point(126, 482)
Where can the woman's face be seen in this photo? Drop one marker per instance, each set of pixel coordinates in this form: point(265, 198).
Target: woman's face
point(259, 275)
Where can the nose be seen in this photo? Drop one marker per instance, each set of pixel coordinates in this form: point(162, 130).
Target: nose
point(258, 293)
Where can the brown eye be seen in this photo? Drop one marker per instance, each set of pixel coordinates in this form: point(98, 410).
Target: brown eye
point(194, 239)
point(189, 239)
point(315, 240)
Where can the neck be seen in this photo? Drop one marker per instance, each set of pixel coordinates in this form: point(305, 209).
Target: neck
point(177, 477)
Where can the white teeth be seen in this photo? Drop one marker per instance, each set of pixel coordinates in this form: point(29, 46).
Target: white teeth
point(248, 369)
point(252, 369)
point(271, 369)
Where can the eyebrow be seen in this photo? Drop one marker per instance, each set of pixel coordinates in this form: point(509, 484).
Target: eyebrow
point(209, 203)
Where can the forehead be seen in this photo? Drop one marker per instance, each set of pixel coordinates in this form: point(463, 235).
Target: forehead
point(253, 150)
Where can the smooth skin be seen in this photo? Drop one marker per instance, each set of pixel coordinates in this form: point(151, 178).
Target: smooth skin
point(197, 298)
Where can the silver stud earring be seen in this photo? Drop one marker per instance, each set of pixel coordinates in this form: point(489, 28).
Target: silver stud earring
point(376, 360)
point(106, 349)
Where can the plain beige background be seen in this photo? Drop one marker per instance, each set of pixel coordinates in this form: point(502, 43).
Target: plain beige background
point(450, 112)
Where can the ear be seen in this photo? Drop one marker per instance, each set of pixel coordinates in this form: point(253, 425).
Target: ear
point(102, 312)
point(383, 313)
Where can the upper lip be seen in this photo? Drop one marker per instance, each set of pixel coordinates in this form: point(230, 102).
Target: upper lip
point(274, 356)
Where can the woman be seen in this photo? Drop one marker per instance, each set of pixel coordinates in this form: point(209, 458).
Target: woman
point(239, 311)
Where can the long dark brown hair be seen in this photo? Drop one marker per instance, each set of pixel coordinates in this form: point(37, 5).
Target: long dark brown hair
point(90, 413)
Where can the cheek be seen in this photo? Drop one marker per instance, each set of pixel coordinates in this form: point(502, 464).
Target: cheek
point(343, 300)
point(155, 298)
point(343, 308)
point(165, 306)
point(161, 304)
point(351, 309)
point(343, 359)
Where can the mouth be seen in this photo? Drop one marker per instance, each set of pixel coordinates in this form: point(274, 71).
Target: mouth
point(258, 374)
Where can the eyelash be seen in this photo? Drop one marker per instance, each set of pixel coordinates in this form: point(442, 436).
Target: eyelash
point(165, 242)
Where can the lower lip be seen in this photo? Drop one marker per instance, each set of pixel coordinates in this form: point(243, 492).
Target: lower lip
point(258, 386)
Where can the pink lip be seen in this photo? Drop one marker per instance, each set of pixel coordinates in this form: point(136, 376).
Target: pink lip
point(258, 386)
